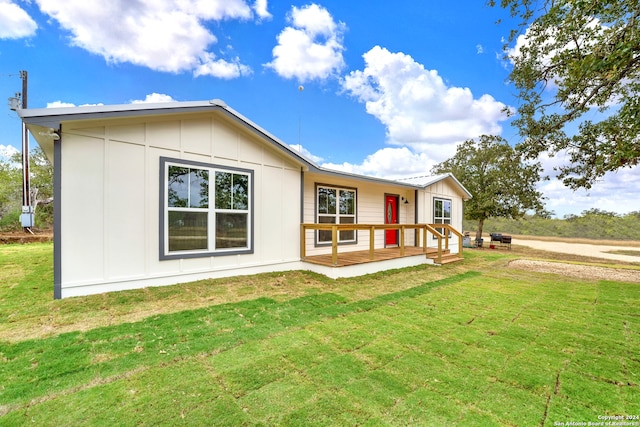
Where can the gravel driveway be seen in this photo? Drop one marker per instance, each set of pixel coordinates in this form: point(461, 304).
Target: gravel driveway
point(580, 271)
point(596, 251)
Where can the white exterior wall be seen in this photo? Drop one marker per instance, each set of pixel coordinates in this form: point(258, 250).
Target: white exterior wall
point(441, 190)
point(370, 205)
point(110, 212)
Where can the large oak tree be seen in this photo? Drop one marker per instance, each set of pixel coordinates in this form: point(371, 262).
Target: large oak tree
point(576, 66)
point(501, 183)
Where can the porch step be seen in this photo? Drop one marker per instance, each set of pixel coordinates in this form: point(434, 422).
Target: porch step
point(447, 257)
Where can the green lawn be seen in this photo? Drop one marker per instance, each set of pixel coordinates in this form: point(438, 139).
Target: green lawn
point(474, 343)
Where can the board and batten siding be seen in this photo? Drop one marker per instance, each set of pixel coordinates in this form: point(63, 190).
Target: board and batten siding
point(110, 189)
point(370, 206)
point(441, 190)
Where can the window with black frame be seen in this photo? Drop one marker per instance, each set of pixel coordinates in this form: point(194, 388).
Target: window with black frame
point(232, 210)
point(441, 213)
point(207, 209)
point(336, 206)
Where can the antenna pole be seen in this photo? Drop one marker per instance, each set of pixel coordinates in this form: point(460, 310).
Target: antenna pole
point(300, 89)
point(27, 213)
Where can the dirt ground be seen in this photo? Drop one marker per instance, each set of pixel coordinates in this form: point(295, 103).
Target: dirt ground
point(577, 270)
point(26, 237)
point(583, 247)
point(576, 252)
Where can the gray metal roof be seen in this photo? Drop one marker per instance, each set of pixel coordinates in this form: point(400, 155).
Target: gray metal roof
point(44, 123)
point(425, 181)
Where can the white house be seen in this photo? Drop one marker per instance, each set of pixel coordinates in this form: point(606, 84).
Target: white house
point(158, 194)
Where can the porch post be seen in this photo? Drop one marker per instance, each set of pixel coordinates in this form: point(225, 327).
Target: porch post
point(334, 245)
point(446, 238)
point(372, 231)
point(303, 242)
point(402, 240)
point(424, 239)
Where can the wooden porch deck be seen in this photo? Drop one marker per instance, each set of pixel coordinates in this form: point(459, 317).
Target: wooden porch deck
point(336, 258)
point(361, 257)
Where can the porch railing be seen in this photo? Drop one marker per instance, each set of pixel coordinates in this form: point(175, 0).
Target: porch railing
point(446, 235)
point(336, 228)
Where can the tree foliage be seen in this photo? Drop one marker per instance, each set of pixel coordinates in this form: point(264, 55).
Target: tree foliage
point(41, 173)
point(501, 183)
point(41, 183)
point(10, 191)
point(577, 72)
point(590, 224)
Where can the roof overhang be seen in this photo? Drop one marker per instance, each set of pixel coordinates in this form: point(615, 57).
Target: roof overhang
point(420, 183)
point(426, 181)
point(362, 178)
point(54, 117)
point(45, 124)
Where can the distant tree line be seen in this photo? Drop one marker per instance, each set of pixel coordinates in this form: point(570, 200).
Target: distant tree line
point(590, 224)
point(41, 180)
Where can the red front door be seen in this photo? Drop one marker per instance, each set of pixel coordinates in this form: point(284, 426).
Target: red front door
point(391, 217)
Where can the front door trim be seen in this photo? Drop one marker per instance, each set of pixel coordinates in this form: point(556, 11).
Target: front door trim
point(391, 201)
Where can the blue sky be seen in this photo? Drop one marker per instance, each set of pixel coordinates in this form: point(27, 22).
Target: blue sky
point(389, 88)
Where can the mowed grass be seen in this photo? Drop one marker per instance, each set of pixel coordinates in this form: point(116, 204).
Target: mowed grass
point(473, 343)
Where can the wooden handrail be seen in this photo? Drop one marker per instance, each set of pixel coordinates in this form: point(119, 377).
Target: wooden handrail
point(336, 228)
point(446, 235)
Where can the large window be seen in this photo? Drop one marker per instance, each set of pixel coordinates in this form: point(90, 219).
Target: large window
point(336, 206)
point(441, 213)
point(206, 209)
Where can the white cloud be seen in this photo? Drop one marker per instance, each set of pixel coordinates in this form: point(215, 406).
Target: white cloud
point(164, 35)
point(60, 104)
point(15, 22)
point(615, 192)
point(221, 68)
point(311, 48)
point(389, 162)
point(418, 109)
point(6, 151)
point(479, 49)
point(153, 98)
point(300, 149)
point(260, 7)
point(149, 98)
